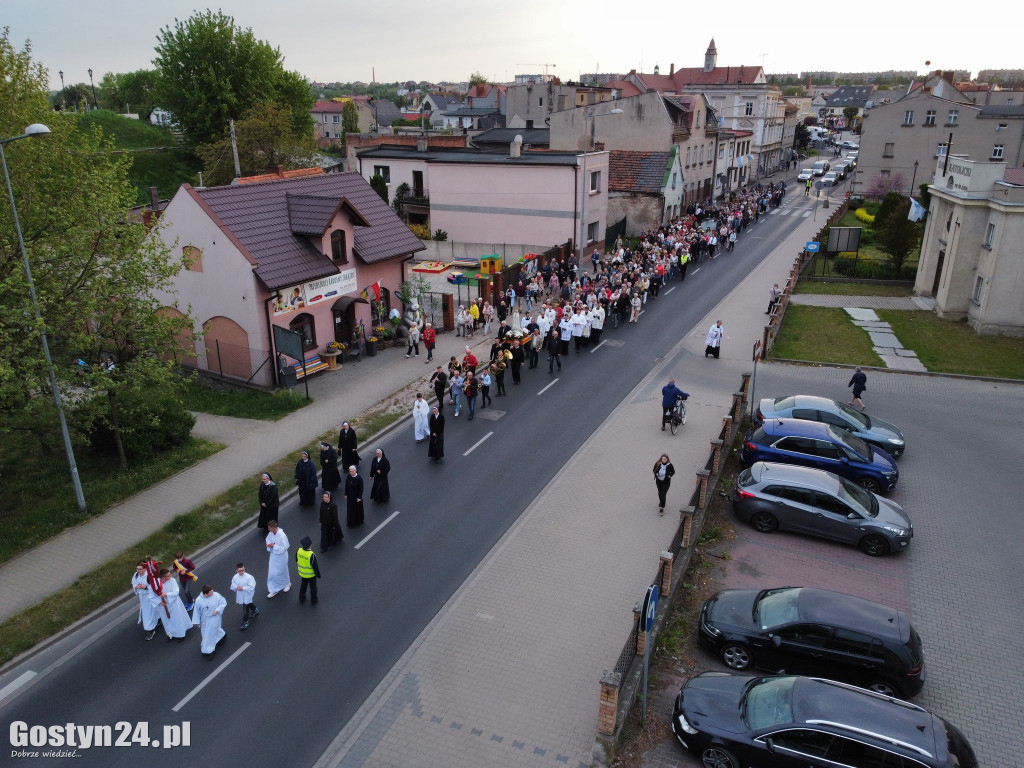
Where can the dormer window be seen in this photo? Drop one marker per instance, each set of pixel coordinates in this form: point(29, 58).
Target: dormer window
point(339, 252)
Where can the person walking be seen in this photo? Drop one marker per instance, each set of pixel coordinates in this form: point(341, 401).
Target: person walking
point(309, 570)
point(278, 579)
point(663, 471)
point(353, 498)
point(208, 615)
point(714, 340)
point(554, 351)
point(414, 341)
point(170, 609)
point(420, 414)
point(244, 586)
point(306, 480)
point(485, 386)
point(348, 445)
point(380, 468)
point(634, 304)
point(516, 363)
point(472, 388)
point(859, 382)
point(773, 298)
point(435, 447)
point(669, 393)
point(330, 477)
point(429, 341)
point(498, 371)
point(186, 575)
point(330, 525)
point(458, 384)
point(268, 499)
point(147, 608)
point(439, 381)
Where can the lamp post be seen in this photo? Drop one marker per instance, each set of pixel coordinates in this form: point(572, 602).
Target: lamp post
point(38, 130)
point(914, 180)
point(63, 96)
point(95, 103)
point(584, 185)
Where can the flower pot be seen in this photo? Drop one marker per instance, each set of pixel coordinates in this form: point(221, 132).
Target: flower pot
point(371, 348)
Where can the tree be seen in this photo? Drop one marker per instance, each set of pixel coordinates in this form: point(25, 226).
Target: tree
point(380, 186)
point(889, 203)
point(477, 79)
point(211, 71)
point(265, 137)
point(897, 235)
point(74, 98)
point(95, 270)
point(850, 113)
point(882, 185)
point(349, 118)
point(801, 136)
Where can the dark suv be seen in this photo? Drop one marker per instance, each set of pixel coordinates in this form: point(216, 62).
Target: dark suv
point(804, 631)
point(729, 721)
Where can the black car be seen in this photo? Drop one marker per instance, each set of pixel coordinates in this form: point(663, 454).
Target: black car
point(730, 721)
point(802, 631)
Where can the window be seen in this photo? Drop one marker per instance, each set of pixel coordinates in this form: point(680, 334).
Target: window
point(540, 102)
point(806, 634)
point(383, 170)
point(337, 119)
point(749, 109)
point(379, 310)
point(929, 117)
point(851, 752)
point(592, 232)
point(889, 146)
point(952, 116)
point(808, 414)
point(701, 158)
point(721, 153)
point(832, 505)
point(908, 117)
point(997, 152)
point(687, 157)
point(979, 285)
point(595, 182)
point(940, 149)
point(674, 174)
point(303, 325)
point(826, 450)
point(796, 495)
point(814, 743)
point(990, 235)
point(1002, 126)
point(884, 172)
point(325, 118)
point(338, 242)
point(327, 134)
point(1009, 102)
point(848, 641)
point(697, 123)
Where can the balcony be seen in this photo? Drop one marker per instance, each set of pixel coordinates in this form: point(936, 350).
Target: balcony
point(414, 198)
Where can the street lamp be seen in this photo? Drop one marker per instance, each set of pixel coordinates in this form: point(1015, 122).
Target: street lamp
point(63, 96)
point(38, 130)
point(585, 185)
point(914, 179)
point(95, 103)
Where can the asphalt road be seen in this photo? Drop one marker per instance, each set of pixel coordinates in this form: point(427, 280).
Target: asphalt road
point(306, 670)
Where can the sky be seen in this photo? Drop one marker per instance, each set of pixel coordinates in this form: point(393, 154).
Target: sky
point(342, 40)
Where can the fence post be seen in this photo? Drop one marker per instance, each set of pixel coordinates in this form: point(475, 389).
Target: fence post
point(746, 386)
point(607, 711)
point(716, 455)
point(727, 428)
point(666, 573)
point(686, 515)
point(641, 632)
point(764, 343)
point(702, 499)
point(220, 365)
point(737, 407)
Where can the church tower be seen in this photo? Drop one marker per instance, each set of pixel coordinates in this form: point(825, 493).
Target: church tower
point(710, 57)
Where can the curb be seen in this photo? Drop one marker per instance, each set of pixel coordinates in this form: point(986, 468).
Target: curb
point(935, 374)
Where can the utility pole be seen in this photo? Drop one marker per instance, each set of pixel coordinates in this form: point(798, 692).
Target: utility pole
point(234, 149)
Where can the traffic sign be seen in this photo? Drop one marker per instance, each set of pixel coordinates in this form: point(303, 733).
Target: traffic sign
point(650, 607)
point(812, 246)
point(757, 350)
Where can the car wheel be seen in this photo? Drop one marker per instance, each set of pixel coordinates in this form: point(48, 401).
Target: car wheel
point(869, 484)
point(765, 522)
point(874, 545)
point(737, 656)
point(883, 687)
point(718, 757)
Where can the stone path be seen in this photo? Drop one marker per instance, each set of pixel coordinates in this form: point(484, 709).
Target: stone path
point(868, 302)
point(884, 341)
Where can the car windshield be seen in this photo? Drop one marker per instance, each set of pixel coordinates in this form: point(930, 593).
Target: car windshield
point(854, 414)
point(853, 443)
point(862, 501)
point(767, 702)
point(783, 403)
point(776, 606)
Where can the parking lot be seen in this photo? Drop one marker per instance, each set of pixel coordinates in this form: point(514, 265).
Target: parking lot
point(960, 582)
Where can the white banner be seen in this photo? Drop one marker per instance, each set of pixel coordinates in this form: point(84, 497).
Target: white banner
point(314, 292)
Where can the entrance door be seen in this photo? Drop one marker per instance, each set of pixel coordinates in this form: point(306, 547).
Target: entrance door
point(938, 273)
point(417, 183)
point(344, 324)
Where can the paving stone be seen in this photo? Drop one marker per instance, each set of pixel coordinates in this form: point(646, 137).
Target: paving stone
point(883, 339)
point(906, 353)
point(880, 351)
point(898, 363)
point(859, 313)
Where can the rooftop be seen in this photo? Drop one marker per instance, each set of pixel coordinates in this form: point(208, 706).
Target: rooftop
point(475, 157)
point(850, 96)
point(278, 173)
point(533, 136)
point(635, 171)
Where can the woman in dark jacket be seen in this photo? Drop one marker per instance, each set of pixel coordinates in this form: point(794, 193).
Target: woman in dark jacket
point(269, 502)
point(663, 471)
point(353, 498)
point(305, 479)
point(330, 478)
point(330, 525)
point(379, 469)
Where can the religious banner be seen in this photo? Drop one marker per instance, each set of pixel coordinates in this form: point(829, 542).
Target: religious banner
point(314, 292)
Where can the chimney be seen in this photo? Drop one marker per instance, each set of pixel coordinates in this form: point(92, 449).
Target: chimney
point(277, 170)
point(948, 76)
point(422, 145)
point(515, 148)
point(154, 197)
point(671, 69)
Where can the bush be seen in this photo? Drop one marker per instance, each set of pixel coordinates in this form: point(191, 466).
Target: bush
point(422, 231)
point(847, 265)
point(890, 203)
point(864, 216)
point(157, 423)
point(440, 235)
point(855, 203)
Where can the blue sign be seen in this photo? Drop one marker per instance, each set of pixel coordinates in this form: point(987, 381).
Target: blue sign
point(813, 246)
point(650, 607)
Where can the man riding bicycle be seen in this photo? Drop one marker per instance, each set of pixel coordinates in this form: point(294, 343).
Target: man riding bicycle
point(669, 393)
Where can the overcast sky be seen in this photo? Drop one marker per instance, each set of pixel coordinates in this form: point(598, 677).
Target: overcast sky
point(329, 40)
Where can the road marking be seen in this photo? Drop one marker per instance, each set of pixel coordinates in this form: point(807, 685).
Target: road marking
point(14, 685)
point(696, 271)
point(375, 530)
point(486, 616)
point(666, 293)
point(805, 214)
point(591, 352)
point(773, 212)
point(780, 211)
point(478, 442)
point(177, 707)
point(549, 386)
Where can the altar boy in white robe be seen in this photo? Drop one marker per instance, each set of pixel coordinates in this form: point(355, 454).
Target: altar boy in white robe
point(208, 613)
point(177, 623)
point(147, 610)
point(244, 586)
point(278, 578)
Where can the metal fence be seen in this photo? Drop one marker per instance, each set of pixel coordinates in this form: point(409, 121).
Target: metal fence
point(615, 230)
point(232, 361)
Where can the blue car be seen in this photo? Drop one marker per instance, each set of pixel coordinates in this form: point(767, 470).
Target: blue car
point(822, 446)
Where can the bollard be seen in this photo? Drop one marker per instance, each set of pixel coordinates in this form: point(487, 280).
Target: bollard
point(665, 563)
point(607, 711)
point(716, 455)
point(702, 499)
point(686, 515)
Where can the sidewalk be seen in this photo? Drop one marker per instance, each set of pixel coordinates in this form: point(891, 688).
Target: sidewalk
point(252, 445)
point(507, 672)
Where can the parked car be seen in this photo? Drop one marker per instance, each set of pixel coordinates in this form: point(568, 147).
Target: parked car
point(822, 446)
point(830, 179)
point(732, 721)
point(820, 167)
point(841, 169)
point(784, 497)
point(805, 174)
point(803, 631)
point(851, 162)
point(853, 155)
point(870, 429)
point(850, 145)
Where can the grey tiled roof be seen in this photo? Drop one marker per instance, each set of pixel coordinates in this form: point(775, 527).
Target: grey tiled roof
point(386, 112)
point(637, 171)
point(532, 136)
point(258, 215)
point(850, 96)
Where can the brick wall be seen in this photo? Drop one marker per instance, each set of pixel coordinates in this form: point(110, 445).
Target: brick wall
point(642, 212)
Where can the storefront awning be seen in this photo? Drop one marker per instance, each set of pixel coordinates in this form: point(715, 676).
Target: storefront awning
point(344, 302)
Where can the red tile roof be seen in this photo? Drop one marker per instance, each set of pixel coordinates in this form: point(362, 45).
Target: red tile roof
point(328, 106)
point(1014, 176)
point(624, 86)
point(689, 76)
point(636, 171)
point(278, 174)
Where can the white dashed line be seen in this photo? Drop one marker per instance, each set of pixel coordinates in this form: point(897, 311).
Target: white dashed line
point(393, 514)
point(177, 707)
point(549, 386)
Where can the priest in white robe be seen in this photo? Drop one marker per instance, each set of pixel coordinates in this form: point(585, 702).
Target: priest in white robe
point(147, 611)
point(714, 340)
point(420, 414)
point(208, 613)
point(278, 578)
point(178, 622)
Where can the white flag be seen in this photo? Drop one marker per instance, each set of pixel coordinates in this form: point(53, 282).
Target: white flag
point(917, 211)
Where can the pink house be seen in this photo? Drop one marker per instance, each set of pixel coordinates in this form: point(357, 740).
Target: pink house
point(296, 253)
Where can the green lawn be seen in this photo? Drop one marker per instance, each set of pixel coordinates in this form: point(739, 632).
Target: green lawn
point(244, 405)
point(39, 501)
point(852, 289)
point(127, 133)
point(823, 334)
point(951, 347)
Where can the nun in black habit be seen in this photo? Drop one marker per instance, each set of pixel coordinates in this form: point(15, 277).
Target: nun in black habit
point(379, 469)
point(330, 525)
point(269, 501)
point(305, 479)
point(435, 447)
point(347, 446)
point(330, 478)
point(353, 498)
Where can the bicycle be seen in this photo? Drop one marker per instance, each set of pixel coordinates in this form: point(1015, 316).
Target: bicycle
point(678, 416)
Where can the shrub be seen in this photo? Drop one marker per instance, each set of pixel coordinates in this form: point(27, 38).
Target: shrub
point(158, 423)
point(890, 203)
point(855, 203)
point(864, 216)
point(422, 231)
point(440, 235)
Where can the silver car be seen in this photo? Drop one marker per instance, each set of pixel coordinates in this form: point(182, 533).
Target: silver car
point(870, 429)
point(785, 497)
